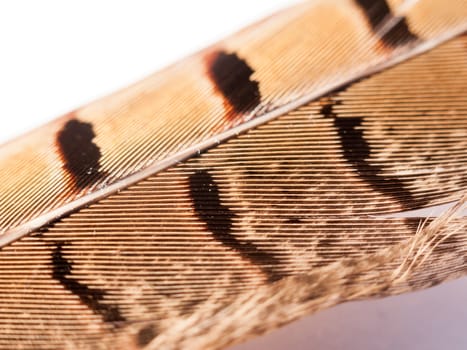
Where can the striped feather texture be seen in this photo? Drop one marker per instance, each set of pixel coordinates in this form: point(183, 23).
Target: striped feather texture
point(244, 187)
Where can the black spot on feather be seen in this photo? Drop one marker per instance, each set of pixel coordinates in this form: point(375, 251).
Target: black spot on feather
point(39, 233)
point(355, 148)
point(146, 335)
point(219, 220)
point(80, 154)
point(377, 13)
point(294, 220)
point(92, 298)
point(232, 77)
point(187, 307)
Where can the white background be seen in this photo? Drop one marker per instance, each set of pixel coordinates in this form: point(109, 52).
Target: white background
point(58, 55)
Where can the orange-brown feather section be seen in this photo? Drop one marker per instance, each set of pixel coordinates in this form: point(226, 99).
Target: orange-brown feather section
point(304, 51)
point(279, 221)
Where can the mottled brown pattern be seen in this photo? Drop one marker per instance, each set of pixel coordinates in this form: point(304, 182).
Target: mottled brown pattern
point(63, 268)
point(356, 150)
point(218, 218)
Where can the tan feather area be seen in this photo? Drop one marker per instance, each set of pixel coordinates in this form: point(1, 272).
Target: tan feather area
point(273, 224)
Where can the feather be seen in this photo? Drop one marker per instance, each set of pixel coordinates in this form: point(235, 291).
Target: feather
point(244, 187)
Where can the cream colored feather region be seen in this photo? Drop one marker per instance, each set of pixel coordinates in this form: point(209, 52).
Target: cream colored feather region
point(265, 196)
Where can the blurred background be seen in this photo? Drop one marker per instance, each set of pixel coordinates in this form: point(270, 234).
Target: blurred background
point(57, 55)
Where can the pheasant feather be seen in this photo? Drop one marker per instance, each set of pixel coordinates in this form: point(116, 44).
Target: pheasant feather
point(244, 187)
